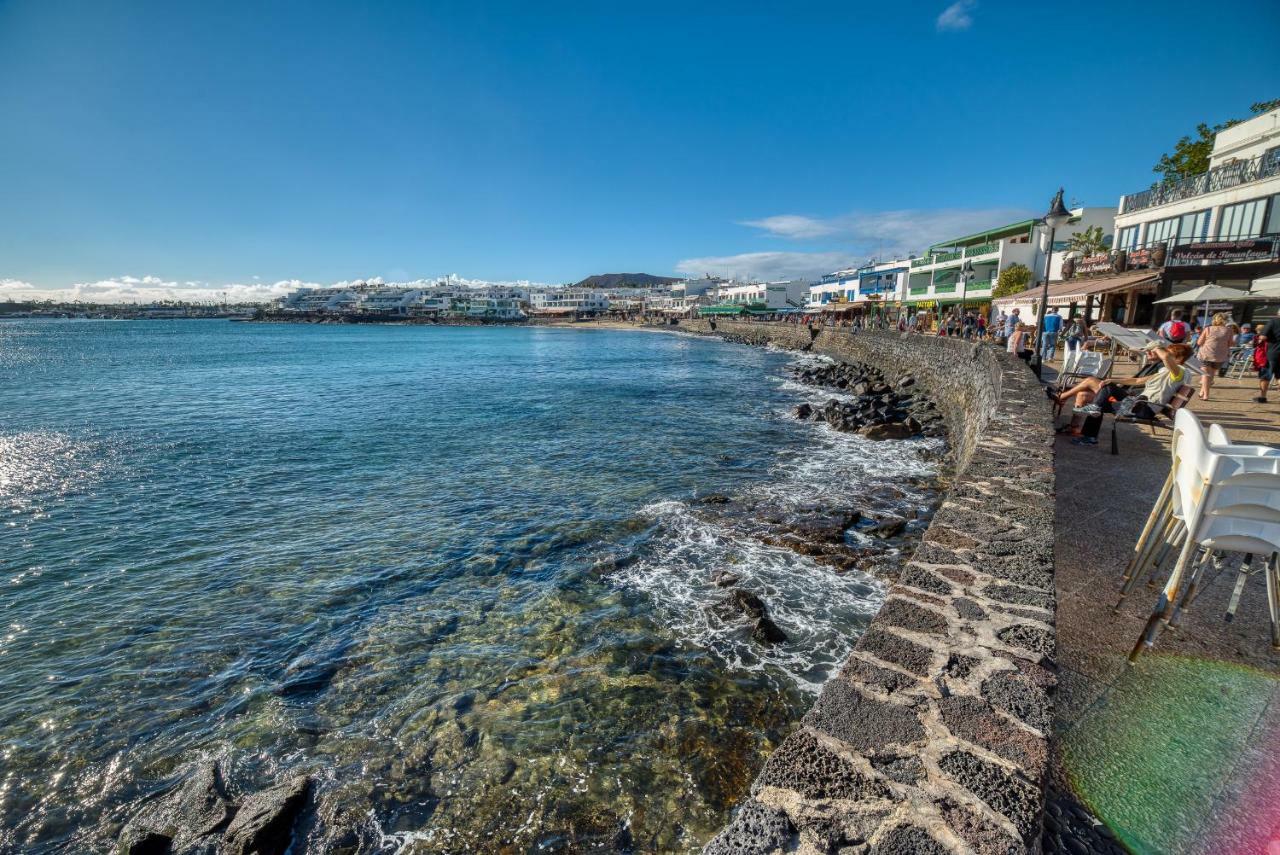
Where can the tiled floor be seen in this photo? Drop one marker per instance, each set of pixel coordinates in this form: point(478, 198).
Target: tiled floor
point(1181, 752)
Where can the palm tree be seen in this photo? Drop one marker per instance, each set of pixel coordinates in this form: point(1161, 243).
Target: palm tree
point(1088, 242)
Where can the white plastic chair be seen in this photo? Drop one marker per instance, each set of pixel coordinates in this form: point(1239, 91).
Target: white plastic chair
point(1220, 501)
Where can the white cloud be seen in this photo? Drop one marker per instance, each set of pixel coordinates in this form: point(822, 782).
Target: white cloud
point(795, 226)
point(956, 16)
point(150, 289)
point(768, 265)
point(887, 234)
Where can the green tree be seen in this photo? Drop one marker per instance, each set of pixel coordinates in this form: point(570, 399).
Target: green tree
point(1088, 242)
point(1013, 279)
point(1191, 156)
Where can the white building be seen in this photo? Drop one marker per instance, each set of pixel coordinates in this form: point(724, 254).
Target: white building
point(319, 300)
point(880, 283)
point(769, 296)
point(935, 283)
point(569, 301)
point(387, 300)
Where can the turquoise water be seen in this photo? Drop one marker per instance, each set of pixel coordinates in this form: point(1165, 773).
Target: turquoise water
point(458, 574)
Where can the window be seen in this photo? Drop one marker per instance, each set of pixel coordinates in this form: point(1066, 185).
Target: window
point(1273, 216)
point(1194, 227)
point(1128, 237)
point(1162, 230)
point(1241, 221)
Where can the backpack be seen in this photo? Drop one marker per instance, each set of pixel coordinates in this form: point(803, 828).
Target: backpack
point(1177, 331)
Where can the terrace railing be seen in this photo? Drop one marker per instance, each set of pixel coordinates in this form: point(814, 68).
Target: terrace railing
point(982, 249)
point(922, 261)
point(1222, 177)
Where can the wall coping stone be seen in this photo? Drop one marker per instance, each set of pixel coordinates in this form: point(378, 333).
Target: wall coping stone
point(933, 738)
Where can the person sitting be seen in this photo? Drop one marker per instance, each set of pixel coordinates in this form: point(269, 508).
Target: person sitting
point(1094, 396)
point(1245, 335)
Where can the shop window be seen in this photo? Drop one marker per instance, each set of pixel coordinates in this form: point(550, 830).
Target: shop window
point(1162, 230)
point(1273, 214)
point(1128, 237)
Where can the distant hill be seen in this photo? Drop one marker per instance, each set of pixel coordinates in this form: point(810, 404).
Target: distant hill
point(624, 280)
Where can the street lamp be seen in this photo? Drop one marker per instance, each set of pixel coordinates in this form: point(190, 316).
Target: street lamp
point(1055, 219)
point(966, 276)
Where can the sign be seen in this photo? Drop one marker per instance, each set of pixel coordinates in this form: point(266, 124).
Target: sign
point(1139, 257)
point(1223, 251)
point(1095, 264)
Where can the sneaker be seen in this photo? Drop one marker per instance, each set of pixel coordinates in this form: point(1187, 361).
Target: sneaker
point(1259, 400)
point(1085, 440)
point(1089, 410)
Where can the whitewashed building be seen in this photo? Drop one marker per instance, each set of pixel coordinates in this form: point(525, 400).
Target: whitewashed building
point(569, 301)
point(768, 296)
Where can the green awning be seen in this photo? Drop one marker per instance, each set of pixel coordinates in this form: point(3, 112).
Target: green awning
point(722, 310)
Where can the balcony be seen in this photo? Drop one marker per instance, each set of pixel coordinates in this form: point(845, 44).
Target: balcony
point(921, 262)
point(1223, 177)
point(982, 249)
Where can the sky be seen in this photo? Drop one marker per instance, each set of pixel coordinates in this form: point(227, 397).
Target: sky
point(161, 149)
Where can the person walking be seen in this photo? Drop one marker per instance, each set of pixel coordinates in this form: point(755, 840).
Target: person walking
point(1175, 330)
point(1011, 323)
point(1268, 336)
point(1214, 349)
point(1051, 327)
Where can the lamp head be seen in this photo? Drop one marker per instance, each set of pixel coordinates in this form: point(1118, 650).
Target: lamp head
point(967, 269)
point(1058, 214)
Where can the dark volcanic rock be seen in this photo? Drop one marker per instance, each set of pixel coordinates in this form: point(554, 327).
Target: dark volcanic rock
point(755, 829)
point(264, 823)
point(767, 632)
point(196, 808)
point(804, 411)
point(863, 723)
point(891, 430)
point(715, 499)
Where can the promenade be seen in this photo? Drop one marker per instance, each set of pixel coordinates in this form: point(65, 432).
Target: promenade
point(1177, 753)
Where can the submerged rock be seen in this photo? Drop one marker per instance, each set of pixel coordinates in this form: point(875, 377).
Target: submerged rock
point(198, 807)
point(803, 411)
point(264, 823)
point(892, 430)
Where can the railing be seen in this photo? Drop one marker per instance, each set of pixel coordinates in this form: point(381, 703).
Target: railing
point(949, 288)
point(982, 249)
point(1223, 177)
point(916, 292)
point(922, 261)
point(948, 256)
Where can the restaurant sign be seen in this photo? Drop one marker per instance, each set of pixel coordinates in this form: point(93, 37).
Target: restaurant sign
point(1095, 264)
point(1223, 251)
point(1138, 257)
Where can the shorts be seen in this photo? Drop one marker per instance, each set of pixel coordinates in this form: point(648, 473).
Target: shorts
point(1207, 363)
point(1265, 373)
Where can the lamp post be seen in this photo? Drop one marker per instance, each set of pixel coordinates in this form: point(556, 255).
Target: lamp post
point(966, 276)
point(1055, 219)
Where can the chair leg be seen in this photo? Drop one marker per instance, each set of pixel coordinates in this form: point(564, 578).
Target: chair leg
point(1115, 449)
point(1273, 598)
point(1193, 588)
point(1157, 510)
point(1165, 605)
point(1158, 550)
point(1174, 541)
point(1241, 579)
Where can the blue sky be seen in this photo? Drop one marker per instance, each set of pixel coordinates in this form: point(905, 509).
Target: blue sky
point(186, 146)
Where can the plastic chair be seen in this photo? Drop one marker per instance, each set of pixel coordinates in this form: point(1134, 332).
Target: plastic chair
point(1221, 501)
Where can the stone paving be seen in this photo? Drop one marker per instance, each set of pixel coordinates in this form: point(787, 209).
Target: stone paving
point(1181, 752)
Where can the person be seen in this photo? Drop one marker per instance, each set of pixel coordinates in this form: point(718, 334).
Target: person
point(1018, 341)
point(1268, 335)
point(1052, 326)
point(1245, 336)
point(1095, 396)
point(1214, 349)
point(1175, 330)
point(982, 327)
point(1076, 332)
point(1011, 323)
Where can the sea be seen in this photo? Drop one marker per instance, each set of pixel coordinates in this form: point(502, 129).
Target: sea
point(462, 577)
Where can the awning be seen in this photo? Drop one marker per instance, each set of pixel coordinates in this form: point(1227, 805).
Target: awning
point(722, 310)
point(1064, 293)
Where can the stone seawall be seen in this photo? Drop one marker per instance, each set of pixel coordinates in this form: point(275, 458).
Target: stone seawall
point(933, 736)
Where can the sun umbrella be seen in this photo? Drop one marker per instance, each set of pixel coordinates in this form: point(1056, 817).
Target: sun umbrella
point(1207, 293)
point(1267, 286)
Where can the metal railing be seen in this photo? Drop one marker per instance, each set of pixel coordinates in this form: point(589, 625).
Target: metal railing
point(922, 261)
point(1222, 177)
point(982, 249)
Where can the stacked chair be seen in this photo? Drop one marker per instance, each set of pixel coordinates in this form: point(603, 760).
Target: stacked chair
point(1219, 498)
